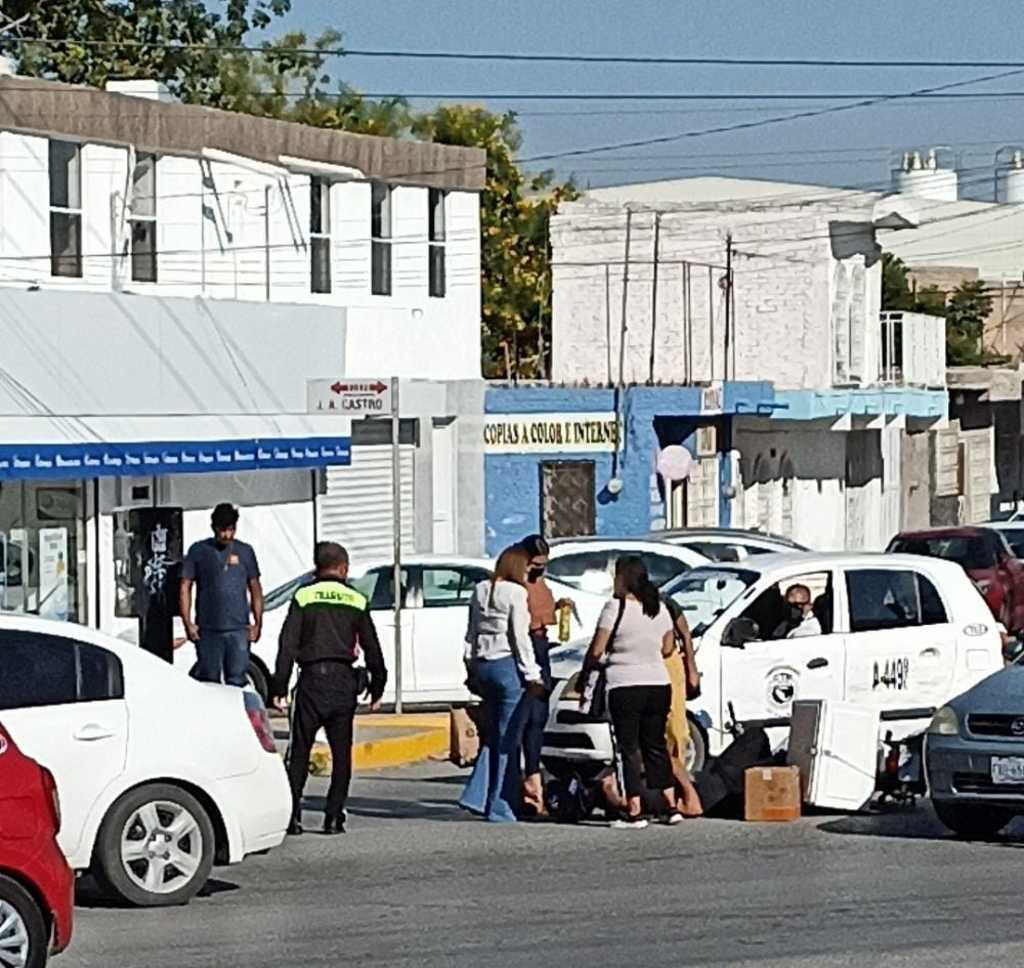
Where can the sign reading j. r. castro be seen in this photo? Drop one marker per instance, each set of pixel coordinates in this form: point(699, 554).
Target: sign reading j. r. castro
point(532, 433)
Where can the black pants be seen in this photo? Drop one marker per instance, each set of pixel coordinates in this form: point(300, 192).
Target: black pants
point(325, 697)
point(639, 715)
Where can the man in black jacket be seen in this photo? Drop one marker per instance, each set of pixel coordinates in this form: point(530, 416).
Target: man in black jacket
point(327, 629)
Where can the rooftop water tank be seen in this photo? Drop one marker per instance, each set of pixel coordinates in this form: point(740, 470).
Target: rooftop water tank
point(1010, 178)
point(925, 178)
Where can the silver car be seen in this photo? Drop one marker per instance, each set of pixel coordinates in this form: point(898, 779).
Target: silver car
point(974, 756)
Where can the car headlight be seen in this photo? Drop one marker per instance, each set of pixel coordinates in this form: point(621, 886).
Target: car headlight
point(571, 692)
point(945, 722)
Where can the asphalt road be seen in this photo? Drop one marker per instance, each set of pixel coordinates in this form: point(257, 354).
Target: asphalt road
point(414, 883)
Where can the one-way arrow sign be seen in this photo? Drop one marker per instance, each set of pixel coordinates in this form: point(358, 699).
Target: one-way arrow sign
point(349, 397)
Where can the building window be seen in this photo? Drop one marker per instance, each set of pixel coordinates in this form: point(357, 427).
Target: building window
point(380, 235)
point(567, 498)
point(436, 235)
point(143, 219)
point(319, 235)
point(65, 209)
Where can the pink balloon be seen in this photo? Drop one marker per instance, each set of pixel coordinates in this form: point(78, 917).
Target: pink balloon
point(675, 463)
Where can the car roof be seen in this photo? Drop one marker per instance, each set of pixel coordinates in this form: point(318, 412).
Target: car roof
point(961, 531)
point(1003, 525)
point(724, 535)
point(632, 544)
point(364, 565)
point(811, 561)
point(69, 630)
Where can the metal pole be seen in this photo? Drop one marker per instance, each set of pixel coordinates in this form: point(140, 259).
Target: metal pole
point(625, 301)
point(608, 318)
point(728, 304)
point(654, 292)
point(266, 238)
point(396, 524)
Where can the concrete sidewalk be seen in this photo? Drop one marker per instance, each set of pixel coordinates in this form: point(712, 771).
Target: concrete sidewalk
point(382, 740)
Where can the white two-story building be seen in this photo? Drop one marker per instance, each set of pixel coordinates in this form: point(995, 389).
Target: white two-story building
point(652, 288)
point(171, 278)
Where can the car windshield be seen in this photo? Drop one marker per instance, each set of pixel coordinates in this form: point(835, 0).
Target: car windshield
point(283, 594)
point(971, 552)
point(705, 593)
point(1015, 539)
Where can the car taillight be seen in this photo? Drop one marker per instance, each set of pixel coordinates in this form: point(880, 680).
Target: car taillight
point(260, 721)
point(51, 787)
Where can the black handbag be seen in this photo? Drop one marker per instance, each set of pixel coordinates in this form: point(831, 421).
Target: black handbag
point(595, 689)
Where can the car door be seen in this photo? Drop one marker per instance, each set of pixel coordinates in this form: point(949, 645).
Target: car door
point(900, 645)
point(64, 703)
point(440, 629)
point(761, 678)
point(377, 585)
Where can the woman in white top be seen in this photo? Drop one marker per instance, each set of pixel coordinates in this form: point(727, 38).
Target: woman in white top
point(634, 636)
point(502, 669)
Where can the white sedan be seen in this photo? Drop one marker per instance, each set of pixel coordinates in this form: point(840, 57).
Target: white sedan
point(159, 776)
point(435, 601)
point(588, 563)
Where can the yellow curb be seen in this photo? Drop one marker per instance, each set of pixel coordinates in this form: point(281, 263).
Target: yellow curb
point(391, 751)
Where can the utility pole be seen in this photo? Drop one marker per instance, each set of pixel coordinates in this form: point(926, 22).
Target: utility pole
point(728, 304)
point(654, 292)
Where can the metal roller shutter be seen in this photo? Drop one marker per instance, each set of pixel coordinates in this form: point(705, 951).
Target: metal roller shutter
point(355, 508)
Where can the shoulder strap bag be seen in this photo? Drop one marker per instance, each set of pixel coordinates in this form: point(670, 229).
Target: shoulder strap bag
point(595, 689)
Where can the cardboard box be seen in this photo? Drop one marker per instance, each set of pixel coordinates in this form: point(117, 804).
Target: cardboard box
point(771, 793)
point(464, 735)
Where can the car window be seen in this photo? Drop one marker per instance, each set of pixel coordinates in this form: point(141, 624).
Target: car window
point(283, 594)
point(583, 569)
point(703, 594)
point(51, 670)
point(444, 587)
point(774, 619)
point(883, 599)
point(378, 586)
point(1015, 539)
point(662, 568)
point(758, 550)
point(971, 552)
point(715, 550)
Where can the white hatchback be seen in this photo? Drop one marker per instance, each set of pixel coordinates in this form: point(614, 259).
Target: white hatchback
point(899, 633)
point(435, 610)
point(159, 776)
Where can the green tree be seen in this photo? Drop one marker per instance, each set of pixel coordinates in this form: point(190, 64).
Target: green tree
point(99, 40)
point(968, 308)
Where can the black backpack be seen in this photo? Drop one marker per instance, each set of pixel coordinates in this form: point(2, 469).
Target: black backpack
point(570, 799)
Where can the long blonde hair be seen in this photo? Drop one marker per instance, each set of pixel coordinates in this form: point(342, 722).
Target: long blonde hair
point(512, 565)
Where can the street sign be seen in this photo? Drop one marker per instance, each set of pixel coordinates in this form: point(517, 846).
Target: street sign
point(350, 397)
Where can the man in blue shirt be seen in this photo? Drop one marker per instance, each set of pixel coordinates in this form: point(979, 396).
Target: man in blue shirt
point(229, 601)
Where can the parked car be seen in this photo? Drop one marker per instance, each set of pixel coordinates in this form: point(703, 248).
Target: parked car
point(727, 544)
point(588, 563)
point(159, 776)
point(986, 557)
point(37, 888)
point(974, 756)
point(435, 611)
point(900, 633)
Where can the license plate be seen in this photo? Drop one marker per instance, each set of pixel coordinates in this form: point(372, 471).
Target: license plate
point(1008, 769)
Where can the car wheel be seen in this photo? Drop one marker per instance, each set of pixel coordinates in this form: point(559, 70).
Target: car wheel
point(697, 751)
point(971, 821)
point(23, 931)
point(155, 847)
point(257, 679)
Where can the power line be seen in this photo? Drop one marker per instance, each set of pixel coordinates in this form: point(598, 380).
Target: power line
point(638, 96)
point(525, 57)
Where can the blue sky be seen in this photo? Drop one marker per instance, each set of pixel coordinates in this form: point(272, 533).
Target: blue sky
point(850, 148)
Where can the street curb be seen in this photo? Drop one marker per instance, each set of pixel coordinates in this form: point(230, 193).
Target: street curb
point(378, 754)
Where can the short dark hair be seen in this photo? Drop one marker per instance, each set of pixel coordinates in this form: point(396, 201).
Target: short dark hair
point(536, 545)
point(224, 516)
point(329, 554)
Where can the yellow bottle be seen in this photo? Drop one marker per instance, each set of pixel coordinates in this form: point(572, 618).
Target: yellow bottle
point(564, 620)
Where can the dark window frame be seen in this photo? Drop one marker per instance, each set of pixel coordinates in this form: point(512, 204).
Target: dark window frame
point(65, 208)
point(437, 242)
point(143, 225)
point(858, 627)
point(320, 228)
point(381, 219)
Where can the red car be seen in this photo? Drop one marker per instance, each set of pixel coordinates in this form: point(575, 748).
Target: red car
point(36, 885)
point(987, 559)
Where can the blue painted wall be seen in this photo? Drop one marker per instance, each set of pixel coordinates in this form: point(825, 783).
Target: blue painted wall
point(512, 481)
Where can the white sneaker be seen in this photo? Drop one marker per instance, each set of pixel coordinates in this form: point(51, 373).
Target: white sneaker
point(638, 823)
point(673, 818)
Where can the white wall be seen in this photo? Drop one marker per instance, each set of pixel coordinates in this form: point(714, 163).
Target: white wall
point(222, 254)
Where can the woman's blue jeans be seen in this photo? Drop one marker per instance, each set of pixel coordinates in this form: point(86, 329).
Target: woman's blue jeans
point(494, 787)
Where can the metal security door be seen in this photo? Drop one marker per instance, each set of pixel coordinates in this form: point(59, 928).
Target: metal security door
point(567, 498)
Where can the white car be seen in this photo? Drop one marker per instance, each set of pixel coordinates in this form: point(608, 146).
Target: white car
point(900, 633)
point(159, 776)
point(727, 544)
point(435, 611)
point(588, 563)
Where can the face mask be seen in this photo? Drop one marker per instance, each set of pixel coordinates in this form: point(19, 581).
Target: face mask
point(796, 612)
point(534, 573)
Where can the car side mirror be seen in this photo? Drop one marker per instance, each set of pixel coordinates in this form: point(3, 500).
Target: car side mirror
point(739, 632)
